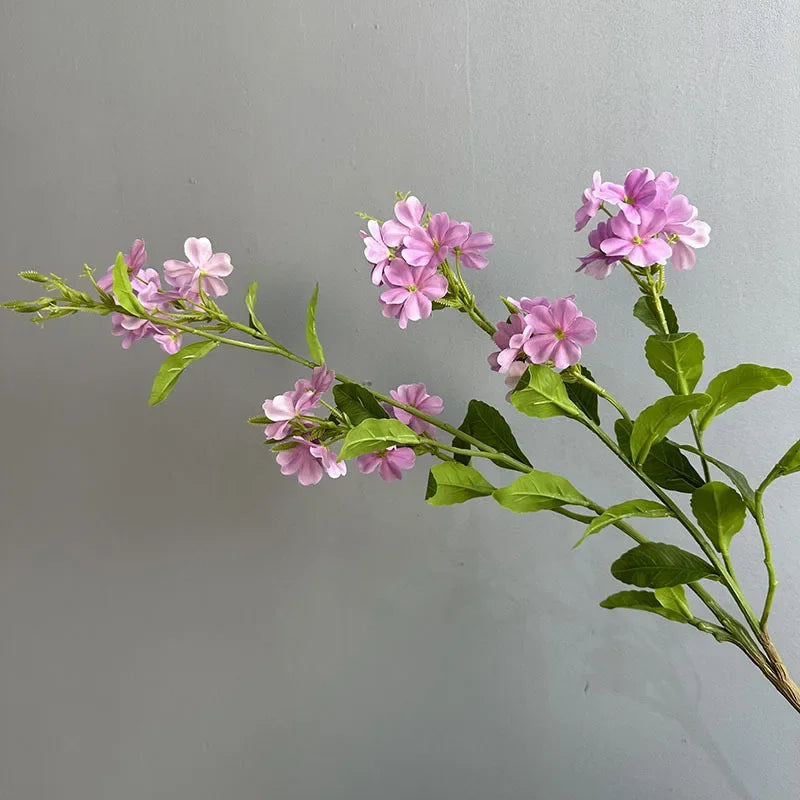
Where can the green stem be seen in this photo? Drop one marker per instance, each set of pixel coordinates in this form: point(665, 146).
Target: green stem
point(694, 532)
point(600, 391)
point(758, 513)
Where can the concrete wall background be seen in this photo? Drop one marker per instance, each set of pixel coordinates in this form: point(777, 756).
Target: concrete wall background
point(178, 620)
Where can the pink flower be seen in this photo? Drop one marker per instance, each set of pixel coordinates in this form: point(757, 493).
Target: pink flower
point(666, 184)
point(204, 269)
point(408, 215)
point(416, 395)
point(130, 328)
point(525, 304)
point(639, 243)
point(286, 409)
point(309, 461)
point(390, 463)
point(377, 250)
point(559, 332)
point(515, 372)
point(411, 291)
point(428, 247)
point(136, 258)
point(592, 200)
point(471, 252)
point(639, 192)
point(683, 246)
point(509, 337)
point(329, 460)
point(597, 263)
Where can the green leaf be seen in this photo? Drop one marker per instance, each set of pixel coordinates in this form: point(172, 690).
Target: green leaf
point(541, 393)
point(173, 367)
point(583, 396)
point(645, 310)
point(665, 464)
point(673, 598)
point(250, 303)
point(487, 424)
point(790, 462)
point(737, 385)
point(376, 434)
point(735, 477)
point(538, 491)
point(720, 512)
point(677, 359)
point(655, 565)
point(314, 346)
point(641, 601)
point(630, 508)
point(357, 403)
point(657, 420)
point(122, 288)
point(451, 483)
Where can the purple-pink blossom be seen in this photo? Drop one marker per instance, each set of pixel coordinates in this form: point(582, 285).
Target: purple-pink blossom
point(411, 291)
point(135, 259)
point(597, 263)
point(416, 395)
point(377, 250)
point(471, 253)
point(309, 461)
point(429, 247)
point(592, 200)
point(559, 332)
point(204, 269)
point(390, 463)
point(408, 215)
point(638, 192)
point(640, 243)
point(286, 411)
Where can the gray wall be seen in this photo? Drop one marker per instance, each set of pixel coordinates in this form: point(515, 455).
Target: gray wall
point(177, 619)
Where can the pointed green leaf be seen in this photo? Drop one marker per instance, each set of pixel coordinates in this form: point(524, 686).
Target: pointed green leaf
point(538, 491)
point(720, 512)
point(250, 304)
point(357, 403)
point(314, 346)
point(451, 483)
point(665, 464)
point(654, 565)
point(541, 393)
point(737, 385)
point(677, 359)
point(583, 396)
point(790, 462)
point(645, 310)
point(173, 367)
point(657, 420)
point(641, 601)
point(673, 598)
point(735, 477)
point(376, 434)
point(630, 508)
point(122, 288)
point(487, 424)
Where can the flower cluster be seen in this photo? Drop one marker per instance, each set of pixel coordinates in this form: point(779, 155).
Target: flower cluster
point(303, 441)
point(541, 332)
point(653, 224)
point(300, 436)
point(202, 273)
point(410, 256)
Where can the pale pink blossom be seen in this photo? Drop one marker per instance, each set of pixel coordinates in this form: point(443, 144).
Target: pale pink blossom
point(416, 395)
point(390, 463)
point(135, 259)
point(411, 291)
point(559, 332)
point(204, 269)
point(639, 243)
point(429, 247)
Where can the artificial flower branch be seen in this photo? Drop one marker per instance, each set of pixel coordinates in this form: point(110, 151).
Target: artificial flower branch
point(418, 261)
